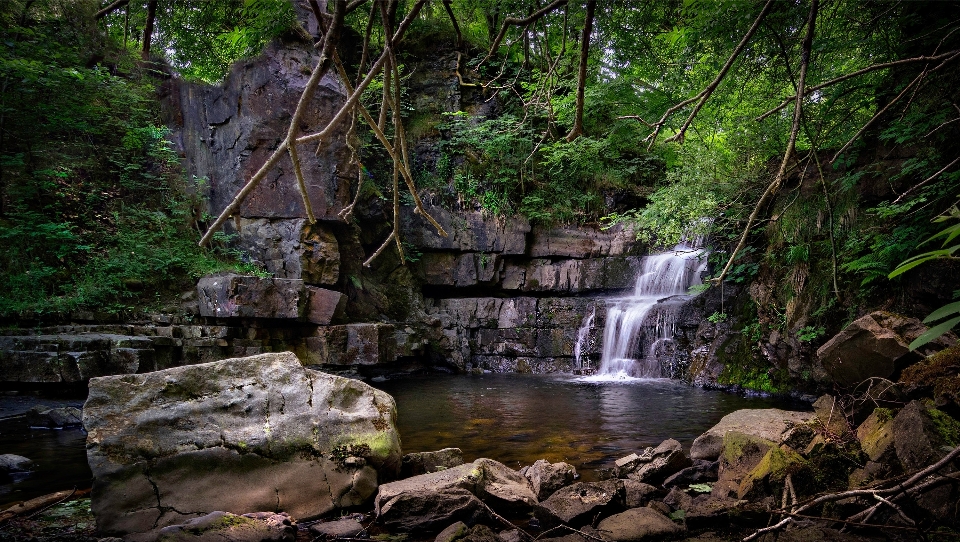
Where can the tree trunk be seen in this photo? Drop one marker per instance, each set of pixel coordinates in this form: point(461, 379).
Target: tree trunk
point(577, 129)
point(148, 29)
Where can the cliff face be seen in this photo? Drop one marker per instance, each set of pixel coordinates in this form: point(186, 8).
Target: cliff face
point(496, 294)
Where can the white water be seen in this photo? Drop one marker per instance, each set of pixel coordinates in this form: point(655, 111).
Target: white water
point(582, 335)
point(639, 324)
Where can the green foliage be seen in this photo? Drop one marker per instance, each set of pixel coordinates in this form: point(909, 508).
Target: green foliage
point(810, 333)
point(717, 317)
point(948, 251)
point(96, 213)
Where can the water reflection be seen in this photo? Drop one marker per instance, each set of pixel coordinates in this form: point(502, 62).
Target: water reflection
point(518, 419)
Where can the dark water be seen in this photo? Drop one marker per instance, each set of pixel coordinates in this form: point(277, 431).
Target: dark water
point(517, 419)
point(59, 455)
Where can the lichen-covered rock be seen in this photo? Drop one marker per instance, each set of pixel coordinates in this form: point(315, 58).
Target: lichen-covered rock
point(768, 476)
point(546, 477)
point(937, 376)
point(638, 524)
point(226, 527)
point(256, 433)
point(876, 435)
point(768, 424)
point(740, 454)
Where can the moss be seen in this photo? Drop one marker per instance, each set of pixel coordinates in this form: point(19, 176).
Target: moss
point(884, 415)
point(736, 445)
point(947, 428)
point(945, 363)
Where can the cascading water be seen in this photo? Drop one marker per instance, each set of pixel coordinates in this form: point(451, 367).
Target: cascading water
point(637, 325)
point(582, 336)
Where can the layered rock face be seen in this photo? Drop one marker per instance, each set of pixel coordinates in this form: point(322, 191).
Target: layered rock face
point(237, 435)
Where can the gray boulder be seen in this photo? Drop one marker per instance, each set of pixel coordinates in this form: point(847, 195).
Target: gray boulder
point(638, 524)
point(226, 527)
point(427, 510)
point(546, 477)
point(498, 486)
point(44, 416)
point(701, 471)
point(665, 459)
point(256, 433)
point(766, 423)
point(577, 504)
point(875, 345)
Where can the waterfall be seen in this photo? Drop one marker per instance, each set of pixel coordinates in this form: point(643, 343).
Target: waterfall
point(582, 335)
point(638, 325)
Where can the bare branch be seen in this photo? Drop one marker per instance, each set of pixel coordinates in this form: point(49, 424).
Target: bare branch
point(858, 73)
point(323, 65)
point(927, 180)
point(705, 94)
point(880, 113)
point(635, 117)
point(577, 129)
point(110, 8)
point(514, 21)
point(797, 115)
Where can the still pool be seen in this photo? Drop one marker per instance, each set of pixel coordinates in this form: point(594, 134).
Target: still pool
point(517, 419)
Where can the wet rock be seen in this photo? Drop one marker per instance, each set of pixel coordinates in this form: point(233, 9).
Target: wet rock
point(341, 528)
point(224, 526)
point(498, 486)
point(638, 524)
point(875, 345)
point(578, 503)
point(767, 424)
point(700, 472)
point(14, 467)
point(546, 477)
point(233, 435)
point(54, 418)
point(666, 459)
point(417, 463)
point(455, 531)
point(65, 357)
point(637, 494)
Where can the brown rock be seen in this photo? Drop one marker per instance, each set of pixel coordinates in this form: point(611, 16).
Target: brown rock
point(233, 296)
point(324, 305)
point(546, 478)
point(638, 524)
point(576, 504)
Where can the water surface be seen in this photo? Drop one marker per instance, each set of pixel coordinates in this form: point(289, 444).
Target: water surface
point(517, 419)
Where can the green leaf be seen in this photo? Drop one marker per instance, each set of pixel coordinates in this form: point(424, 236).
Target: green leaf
point(933, 333)
point(943, 312)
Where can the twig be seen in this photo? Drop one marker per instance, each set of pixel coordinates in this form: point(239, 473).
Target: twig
point(514, 21)
point(857, 73)
point(791, 143)
point(927, 180)
point(705, 93)
point(897, 508)
point(781, 523)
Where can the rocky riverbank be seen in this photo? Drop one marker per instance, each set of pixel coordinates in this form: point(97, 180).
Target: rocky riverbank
point(261, 448)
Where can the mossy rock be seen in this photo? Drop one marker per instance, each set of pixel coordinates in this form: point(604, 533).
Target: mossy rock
point(939, 376)
point(769, 475)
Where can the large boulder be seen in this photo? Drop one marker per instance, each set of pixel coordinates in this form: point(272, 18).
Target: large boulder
point(768, 424)
point(256, 433)
point(875, 345)
point(429, 502)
